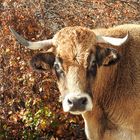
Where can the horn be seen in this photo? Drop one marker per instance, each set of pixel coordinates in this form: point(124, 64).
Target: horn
point(44, 44)
point(111, 40)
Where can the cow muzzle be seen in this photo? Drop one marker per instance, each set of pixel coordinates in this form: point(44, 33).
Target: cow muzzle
point(77, 104)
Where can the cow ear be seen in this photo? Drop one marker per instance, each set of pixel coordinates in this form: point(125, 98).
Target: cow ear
point(42, 61)
point(107, 56)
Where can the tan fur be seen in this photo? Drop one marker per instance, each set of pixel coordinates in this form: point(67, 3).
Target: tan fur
point(116, 89)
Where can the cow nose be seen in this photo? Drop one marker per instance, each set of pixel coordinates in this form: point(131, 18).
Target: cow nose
point(78, 104)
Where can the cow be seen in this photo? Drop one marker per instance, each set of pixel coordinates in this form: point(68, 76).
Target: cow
point(98, 75)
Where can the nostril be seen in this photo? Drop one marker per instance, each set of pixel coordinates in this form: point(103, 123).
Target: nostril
point(84, 101)
point(70, 102)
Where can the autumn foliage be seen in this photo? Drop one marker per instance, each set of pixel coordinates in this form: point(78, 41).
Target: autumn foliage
point(29, 101)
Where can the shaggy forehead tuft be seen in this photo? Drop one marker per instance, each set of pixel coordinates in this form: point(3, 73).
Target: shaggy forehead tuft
point(74, 44)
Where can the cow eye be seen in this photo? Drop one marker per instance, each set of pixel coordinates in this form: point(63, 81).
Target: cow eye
point(59, 72)
point(92, 68)
point(92, 63)
point(56, 66)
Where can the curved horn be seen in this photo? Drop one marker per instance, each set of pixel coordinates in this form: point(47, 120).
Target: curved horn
point(112, 40)
point(32, 45)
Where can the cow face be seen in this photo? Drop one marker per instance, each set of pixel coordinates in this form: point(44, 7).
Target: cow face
point(75, 59)
point(76, 63)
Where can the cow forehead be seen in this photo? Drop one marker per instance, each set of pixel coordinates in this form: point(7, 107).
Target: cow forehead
point(74, 44)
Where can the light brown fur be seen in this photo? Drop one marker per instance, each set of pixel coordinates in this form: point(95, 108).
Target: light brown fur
point(116, 89)
point(92, 78)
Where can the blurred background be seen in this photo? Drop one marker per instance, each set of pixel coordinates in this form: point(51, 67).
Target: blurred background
point(29, 101)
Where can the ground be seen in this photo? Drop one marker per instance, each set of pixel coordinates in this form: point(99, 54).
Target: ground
point(29, 101)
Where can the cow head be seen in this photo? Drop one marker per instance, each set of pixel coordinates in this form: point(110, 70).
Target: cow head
point(75, 57)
